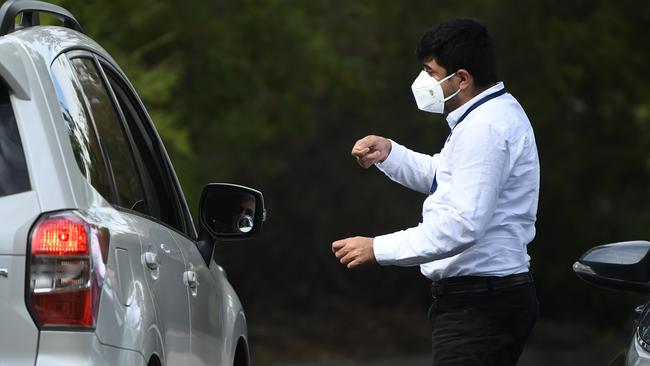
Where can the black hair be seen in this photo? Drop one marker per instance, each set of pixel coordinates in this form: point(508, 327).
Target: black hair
point(461, 43)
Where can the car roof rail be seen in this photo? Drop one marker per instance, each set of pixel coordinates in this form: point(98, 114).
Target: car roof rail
point(30, 10)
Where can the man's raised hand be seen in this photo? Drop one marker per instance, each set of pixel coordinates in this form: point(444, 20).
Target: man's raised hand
point(370, 150)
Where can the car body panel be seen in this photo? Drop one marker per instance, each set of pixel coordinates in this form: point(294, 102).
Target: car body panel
point(17, 213)
point(126, 309)
point(168, 290)
point(19, 335)
point(207, 332)
point(82, 349)
point(142, 314)
point(235, 325)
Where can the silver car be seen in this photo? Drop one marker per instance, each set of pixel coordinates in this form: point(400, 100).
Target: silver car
point(100, 262)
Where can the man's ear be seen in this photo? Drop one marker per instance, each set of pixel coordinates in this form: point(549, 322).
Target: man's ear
point(466, 79)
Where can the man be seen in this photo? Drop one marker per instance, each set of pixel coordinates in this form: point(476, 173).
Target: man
point(480, 214)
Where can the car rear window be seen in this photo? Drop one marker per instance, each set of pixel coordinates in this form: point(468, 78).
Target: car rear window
point(78, 122)
point(13, 168)
point(109, 128)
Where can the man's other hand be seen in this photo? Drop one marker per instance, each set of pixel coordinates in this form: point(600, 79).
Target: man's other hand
point(354, 252)
point(370, 150)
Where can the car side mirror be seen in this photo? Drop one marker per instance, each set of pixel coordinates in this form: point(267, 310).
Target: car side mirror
point(620, 266)
point(231, 212)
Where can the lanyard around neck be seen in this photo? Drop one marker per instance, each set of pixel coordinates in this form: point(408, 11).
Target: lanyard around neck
point(478, 103)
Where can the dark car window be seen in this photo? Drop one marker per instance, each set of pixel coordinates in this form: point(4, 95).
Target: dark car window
point(111, 134)
point(13, 169)
point(83, 136)
point(158, 181)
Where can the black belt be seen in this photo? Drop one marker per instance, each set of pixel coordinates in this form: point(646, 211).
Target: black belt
point(472, 284)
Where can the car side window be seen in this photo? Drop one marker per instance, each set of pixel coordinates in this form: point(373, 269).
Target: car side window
point(111, 133)
point(13, 169)
point(83, 136)
point(158, 181)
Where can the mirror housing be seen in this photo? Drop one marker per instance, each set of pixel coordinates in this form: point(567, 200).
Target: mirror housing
point(621, 266)
point(231, 212)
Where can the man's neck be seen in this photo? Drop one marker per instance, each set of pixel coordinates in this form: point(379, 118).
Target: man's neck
point(478, 90)
point(468, 94)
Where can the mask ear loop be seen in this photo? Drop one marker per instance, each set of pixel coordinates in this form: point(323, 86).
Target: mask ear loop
point(451, 96)
point(446, 78)
point(455, 93)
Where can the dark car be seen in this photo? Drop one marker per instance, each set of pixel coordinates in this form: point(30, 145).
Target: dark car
point(623, 266)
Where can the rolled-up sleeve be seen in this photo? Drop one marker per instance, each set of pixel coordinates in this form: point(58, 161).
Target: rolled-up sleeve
point(477, 161)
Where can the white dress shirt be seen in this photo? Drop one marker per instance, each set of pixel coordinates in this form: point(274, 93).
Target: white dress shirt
point(482, 215)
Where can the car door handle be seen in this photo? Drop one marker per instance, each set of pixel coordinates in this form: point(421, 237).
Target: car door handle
point(190, 279)
point(151, 260)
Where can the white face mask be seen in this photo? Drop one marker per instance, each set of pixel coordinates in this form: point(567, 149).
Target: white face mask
point(428, 93)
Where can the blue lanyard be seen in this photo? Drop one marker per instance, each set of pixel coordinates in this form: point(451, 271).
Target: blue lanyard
point(481, 101)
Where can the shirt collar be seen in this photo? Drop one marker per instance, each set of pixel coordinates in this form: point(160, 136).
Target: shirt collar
point(452, 118)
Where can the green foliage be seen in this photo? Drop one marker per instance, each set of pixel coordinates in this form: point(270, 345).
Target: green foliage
point(138, 37)
point(274, 93)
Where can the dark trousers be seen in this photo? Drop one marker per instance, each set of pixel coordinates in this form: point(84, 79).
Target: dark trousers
point(482, 328)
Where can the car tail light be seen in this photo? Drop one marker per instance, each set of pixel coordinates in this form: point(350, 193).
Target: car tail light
point(66, 270)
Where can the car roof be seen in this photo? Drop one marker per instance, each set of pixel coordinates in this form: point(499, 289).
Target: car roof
point(50, 41)
point(44, 43)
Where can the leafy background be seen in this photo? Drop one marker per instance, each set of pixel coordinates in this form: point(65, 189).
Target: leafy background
point(272, 94)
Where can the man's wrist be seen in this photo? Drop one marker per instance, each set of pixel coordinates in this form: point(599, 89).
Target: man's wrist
point(372, 249)
point(394, 157)
point(390, 148)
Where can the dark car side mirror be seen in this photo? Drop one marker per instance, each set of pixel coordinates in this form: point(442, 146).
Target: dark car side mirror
point(231, 212)
point(228, 212)
point(620, 266)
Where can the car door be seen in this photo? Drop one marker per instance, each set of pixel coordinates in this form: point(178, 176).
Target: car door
point(205, 298)
point(207, 306)
point(158, 261)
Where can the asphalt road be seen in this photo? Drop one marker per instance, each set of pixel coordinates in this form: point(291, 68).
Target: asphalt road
point(532, 356)
point(551, 343)
point(410, 361)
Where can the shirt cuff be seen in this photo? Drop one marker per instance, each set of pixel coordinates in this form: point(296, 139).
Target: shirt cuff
point(384, 249)
point(394, 159)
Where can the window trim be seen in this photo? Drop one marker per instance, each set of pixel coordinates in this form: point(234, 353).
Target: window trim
point(147, 125)
point(125, 131)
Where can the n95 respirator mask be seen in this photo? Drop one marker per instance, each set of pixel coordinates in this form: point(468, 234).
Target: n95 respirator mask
point(428, 93)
